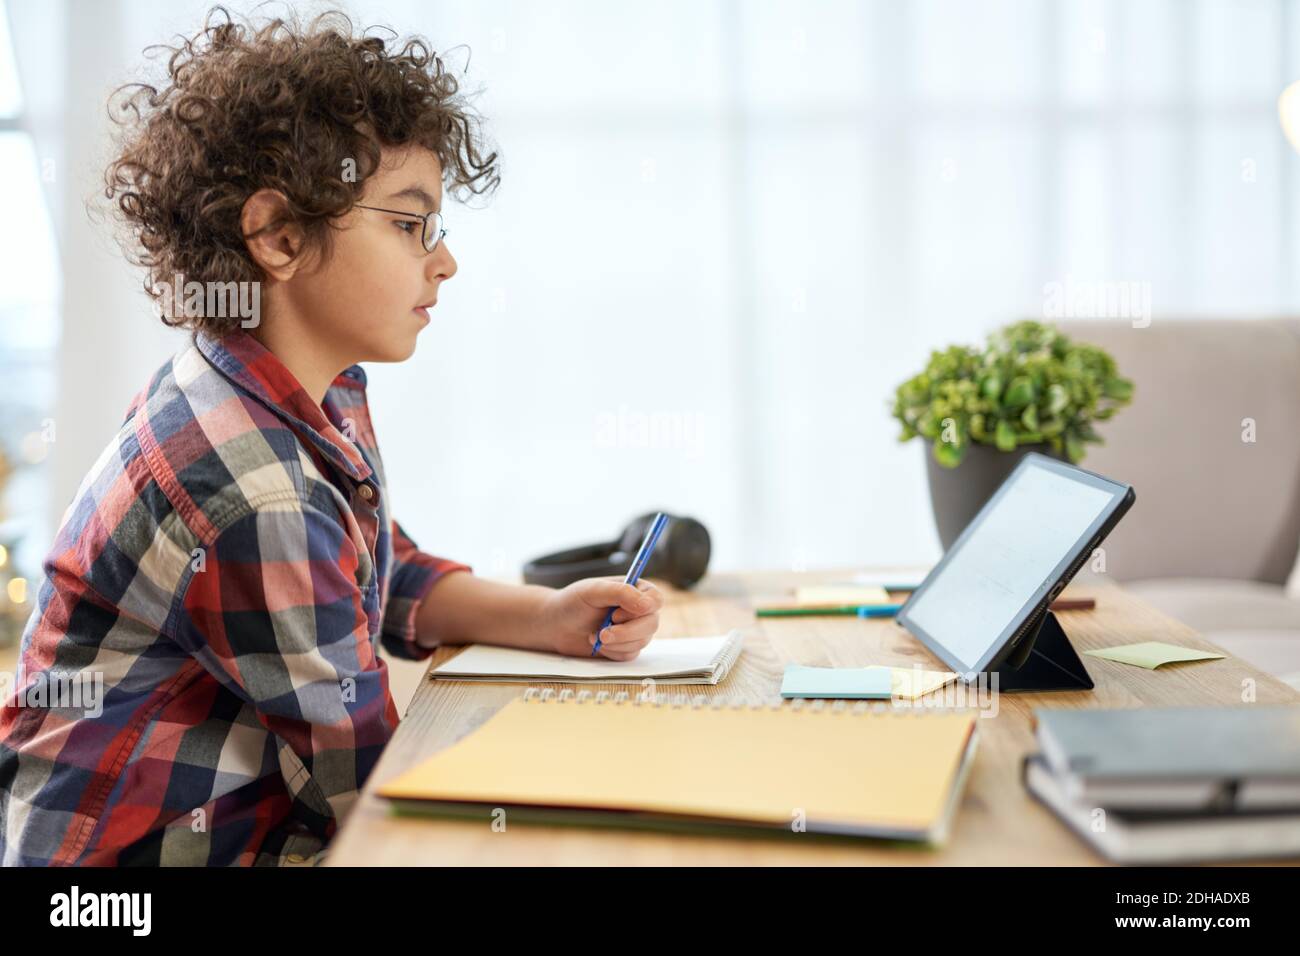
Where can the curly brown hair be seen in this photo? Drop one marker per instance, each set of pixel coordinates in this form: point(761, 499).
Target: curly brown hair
point(284, 106)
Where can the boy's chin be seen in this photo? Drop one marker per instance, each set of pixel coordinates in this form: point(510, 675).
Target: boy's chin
point(393, 348)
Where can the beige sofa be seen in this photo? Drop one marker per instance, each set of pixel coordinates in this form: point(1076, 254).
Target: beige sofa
point(1214, 535)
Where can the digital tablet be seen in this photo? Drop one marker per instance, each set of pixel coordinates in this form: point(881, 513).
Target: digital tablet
point(978, 603)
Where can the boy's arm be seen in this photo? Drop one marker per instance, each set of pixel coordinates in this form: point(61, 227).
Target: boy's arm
point(436, 608)
point(465, 609)
point(414, 574)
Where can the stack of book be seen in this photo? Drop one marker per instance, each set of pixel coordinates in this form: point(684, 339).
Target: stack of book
point(1173, 785)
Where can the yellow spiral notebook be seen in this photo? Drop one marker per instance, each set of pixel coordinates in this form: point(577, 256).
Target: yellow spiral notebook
point(895, 773)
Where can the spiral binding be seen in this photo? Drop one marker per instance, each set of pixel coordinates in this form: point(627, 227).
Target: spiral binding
point(657, 699)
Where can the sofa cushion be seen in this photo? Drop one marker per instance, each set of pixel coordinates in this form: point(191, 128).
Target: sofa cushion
point(1259, 623)
point(1274, 652)
point(1212, 604)
point(1209, 445)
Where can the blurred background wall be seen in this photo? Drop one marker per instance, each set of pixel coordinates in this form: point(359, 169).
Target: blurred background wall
point(725, 232)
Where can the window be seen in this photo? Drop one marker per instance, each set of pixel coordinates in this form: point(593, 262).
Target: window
point(29, 326)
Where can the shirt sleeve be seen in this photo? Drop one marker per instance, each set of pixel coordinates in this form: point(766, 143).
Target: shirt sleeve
point(276, 615)
point(414, 574)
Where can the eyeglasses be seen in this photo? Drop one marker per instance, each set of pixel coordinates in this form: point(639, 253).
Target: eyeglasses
point(432, 231)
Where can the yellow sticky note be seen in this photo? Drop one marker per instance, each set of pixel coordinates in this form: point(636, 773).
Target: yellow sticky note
point(913, 682)
point(840, 594)
point(1151, 654)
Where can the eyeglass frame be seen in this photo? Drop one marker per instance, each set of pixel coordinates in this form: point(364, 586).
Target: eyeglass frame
point(424, 220)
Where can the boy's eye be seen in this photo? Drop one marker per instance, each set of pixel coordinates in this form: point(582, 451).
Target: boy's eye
point(407, 226)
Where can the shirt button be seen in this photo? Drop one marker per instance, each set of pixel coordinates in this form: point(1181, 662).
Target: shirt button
point(365, 491)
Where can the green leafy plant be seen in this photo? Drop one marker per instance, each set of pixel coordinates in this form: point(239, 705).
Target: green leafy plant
point(1030, 385)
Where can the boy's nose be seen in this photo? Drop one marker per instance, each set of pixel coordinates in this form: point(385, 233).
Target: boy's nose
point(442, 264)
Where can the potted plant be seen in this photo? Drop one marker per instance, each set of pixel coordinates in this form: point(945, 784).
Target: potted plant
point(1030, 389)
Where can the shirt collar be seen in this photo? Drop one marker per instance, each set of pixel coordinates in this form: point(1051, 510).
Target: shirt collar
point(253, 367)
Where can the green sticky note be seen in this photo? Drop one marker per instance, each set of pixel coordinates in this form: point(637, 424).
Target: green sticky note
point(1151, 654)
point(852, 683)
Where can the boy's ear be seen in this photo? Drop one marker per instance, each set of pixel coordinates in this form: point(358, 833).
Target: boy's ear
point(273, 239)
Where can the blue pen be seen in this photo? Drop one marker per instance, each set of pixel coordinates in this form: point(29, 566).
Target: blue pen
point(638, 564)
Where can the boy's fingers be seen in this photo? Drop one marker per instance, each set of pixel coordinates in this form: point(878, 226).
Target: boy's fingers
point(621, 616)
point(610, 592)
point(640, 630)
point(624, 650)
point(656, 603)
point(652, 592)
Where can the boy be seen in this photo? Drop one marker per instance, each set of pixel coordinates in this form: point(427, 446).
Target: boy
point(220, 581)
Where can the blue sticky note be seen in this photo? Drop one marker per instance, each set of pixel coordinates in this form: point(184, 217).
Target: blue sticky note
point(852, 683)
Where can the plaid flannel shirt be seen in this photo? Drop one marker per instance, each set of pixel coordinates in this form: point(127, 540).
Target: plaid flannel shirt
point(222, 576)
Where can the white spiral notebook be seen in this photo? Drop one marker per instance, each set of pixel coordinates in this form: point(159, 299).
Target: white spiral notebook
point(666, 660)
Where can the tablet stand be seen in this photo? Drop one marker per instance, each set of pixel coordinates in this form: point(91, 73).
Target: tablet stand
point(1045, 661)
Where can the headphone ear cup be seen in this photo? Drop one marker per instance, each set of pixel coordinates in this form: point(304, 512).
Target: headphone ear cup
point(632, 535)
point(683, 558)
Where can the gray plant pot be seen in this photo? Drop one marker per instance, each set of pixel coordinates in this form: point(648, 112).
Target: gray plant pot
point(957, 494)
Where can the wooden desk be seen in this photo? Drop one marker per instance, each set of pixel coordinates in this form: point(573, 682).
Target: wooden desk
point(998, 822)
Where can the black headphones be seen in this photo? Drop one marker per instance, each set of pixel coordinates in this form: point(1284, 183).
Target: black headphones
point(680, 558)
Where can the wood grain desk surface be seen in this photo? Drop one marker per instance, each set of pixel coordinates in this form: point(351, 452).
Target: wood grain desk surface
point(997, 822)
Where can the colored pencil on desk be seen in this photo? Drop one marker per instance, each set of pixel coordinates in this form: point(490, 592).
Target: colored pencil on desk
point(846, 610)
point(889, 610)
point(1074, 604)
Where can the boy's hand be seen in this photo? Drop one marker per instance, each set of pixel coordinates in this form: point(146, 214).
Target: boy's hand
point(572, 614)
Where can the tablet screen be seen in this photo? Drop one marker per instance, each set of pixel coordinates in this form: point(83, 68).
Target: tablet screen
point(1007, 558)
